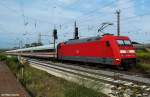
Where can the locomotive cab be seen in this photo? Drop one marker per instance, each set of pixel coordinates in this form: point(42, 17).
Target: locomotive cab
point(127, 54)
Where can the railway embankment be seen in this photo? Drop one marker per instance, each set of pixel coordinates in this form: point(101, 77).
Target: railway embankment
point(41, 84)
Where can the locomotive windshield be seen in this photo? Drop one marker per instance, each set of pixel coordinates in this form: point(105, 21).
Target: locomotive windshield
point(124, 42)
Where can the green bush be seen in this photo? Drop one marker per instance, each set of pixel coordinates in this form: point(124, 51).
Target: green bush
point(3, 57)
point(144, 60)
point(144, 55)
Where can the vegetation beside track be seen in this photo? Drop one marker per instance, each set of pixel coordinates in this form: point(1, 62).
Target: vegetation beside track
point(41, 84)
point(143, 60)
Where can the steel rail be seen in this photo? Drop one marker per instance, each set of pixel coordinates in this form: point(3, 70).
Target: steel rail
point(125, 77)
point(92, 76)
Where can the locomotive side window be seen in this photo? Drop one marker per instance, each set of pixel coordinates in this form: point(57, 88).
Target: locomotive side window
point(127, 42)
point(107, 43)
point(120, 42)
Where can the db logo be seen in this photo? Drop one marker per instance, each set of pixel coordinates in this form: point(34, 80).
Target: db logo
point(77, 51)
point(127, 51)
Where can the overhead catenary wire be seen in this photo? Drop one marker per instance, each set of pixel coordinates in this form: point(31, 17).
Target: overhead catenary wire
point(133, 17)
point(22, 12)
point(106, 5)
point(123, 20)
point(25, 16)
point(108, 14)
point(93, 11)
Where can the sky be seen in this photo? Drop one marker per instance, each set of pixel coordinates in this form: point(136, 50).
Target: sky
point(23, 20)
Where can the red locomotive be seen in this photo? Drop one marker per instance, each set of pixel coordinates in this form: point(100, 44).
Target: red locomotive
point(109, 49)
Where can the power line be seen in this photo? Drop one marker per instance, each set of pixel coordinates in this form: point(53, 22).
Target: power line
point(51, 23)
point(22, 10)
point(95, 10)
point(85, 14)
point(109, 13)
point(133, 17)
point(90, 12)
point(104, 17)
point(128, 18)
point(15, 11)
point(23, 14)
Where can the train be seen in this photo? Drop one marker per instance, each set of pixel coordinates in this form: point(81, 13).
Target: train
point(107, 49)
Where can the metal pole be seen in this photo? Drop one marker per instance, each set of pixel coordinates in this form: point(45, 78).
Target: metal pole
point(76, 33)
point(39, 37)
point(75, 30)
point(118, 22)
point(54, 42)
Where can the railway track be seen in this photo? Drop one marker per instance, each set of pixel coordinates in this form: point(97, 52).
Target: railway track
point(131, 71)
point(110, 73)
point(110, 83)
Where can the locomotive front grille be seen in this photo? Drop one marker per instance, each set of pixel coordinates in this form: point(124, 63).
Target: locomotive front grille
point(129, 61)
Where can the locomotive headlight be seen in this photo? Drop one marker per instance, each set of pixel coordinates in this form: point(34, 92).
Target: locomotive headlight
point(131, 51)
point(117, 59)
point(123, 51)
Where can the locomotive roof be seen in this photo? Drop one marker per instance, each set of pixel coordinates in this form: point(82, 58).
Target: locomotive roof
point(90, 39)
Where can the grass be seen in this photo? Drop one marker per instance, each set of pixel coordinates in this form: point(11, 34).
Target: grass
point(2, 57)
point(41, 84)
point(144, 66)
point(143, 60)
point(144, 55)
